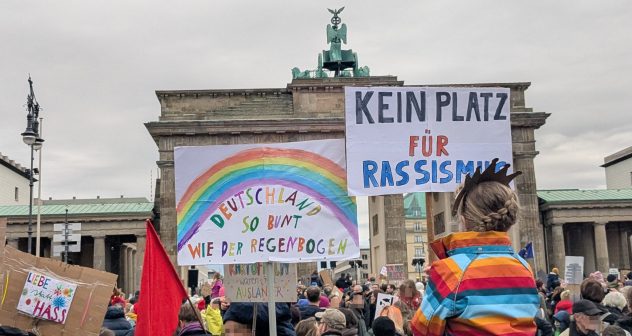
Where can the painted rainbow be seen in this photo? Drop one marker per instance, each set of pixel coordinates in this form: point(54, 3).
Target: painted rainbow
point(307, 172)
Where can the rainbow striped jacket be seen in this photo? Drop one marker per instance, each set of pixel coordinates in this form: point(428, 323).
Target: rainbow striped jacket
point(479, 286)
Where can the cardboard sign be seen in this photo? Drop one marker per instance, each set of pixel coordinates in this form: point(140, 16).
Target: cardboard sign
point(282, 202)
point(383, 300)
point(396, 272)
point(89, 301)
point(326, 277)
point(46, 298)
point(574, 270)
point(384, 271)
point(422, 139)
point(248, 282)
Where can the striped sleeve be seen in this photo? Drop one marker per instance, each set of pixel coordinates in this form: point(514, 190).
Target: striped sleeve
point(439, 298)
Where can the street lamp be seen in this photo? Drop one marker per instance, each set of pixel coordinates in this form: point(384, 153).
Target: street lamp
point(32, 139)
point(418, 263)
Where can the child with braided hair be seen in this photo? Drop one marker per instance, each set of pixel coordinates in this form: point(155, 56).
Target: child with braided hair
point(479, 285)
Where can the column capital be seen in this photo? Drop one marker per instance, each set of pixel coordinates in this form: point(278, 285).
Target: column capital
point(600, 223)
point(98, 236)
point(558, 223)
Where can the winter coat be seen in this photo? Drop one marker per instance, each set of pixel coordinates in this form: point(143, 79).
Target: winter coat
point(544, 327)
point(193, 329)
point(478, 286)
point(213, 319)
point(242, 312)
point(564, 305)
point(572, 331)
point(342, 283)
point(217, 285)
point(308, 311)
point(314, 280)
point(332, 332)
point(552, 281)
point(115, 321)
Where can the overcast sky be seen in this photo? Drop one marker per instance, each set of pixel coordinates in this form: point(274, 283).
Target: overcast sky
point(96, 65)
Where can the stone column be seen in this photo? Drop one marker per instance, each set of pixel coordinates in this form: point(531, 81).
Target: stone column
point(559, 252)
point(140, 257)
point(625, 250)
point(395, 231)
point(130, 269)
point(588, 245)
point(601, 247)
point(98, 259)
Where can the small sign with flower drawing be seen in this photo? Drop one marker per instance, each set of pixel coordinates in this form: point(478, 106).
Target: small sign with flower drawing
point(46, 298)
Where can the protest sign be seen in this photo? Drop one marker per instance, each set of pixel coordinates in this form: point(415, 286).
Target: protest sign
point(46, 297)
point(89, 300)
point(384, 271)
point(248, 282)
point(326, 277)
point(574, 270)
point(614, 271)
point(283, 202)
point(395, 272)
point(413, 139)
point(383, 300)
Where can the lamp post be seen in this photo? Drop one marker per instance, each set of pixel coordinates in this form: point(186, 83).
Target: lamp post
point(32, 139)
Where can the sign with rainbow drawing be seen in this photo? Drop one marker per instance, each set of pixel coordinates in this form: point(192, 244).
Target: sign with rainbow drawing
point(47, 298)
point(251, 203)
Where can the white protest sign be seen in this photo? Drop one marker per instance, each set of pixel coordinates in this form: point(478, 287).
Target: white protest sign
point(282, 202)
point(383, 301)
point(413, 139)
point(384, 271)
point(248, 282)
point(46, 298)
point(574, 270)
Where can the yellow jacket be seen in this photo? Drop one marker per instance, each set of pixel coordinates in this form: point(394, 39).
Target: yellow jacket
point(213, 319)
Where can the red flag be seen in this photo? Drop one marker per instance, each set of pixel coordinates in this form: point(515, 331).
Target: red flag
point(161, 292)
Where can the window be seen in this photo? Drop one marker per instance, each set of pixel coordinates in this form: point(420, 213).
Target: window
point(418, 239)
point(17, 194)
point(365, 266)
point(417, 226)
point(419, 251)
point(364, 257)
point(375, 228)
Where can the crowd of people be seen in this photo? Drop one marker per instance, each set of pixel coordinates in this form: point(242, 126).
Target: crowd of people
point(478, 286)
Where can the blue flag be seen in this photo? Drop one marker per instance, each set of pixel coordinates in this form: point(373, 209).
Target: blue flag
point(527, 251)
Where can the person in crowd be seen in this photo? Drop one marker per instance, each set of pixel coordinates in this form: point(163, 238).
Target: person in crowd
point(115, 320)
point(300, 292)
point(212, 317)
point(565, 302)
point(373, 303)
point(480, 265)
point(324, 301)
point(395, 315)
point(613, 282)
point(314, 279)
point(628, 279)
point(614, 302)
point(409, 294)
point(189, 321)
point(357, 304)
point(390, 289)
point(352, 328)
point(295, 314)
point(420, 288)
point(586, 319)
point(313, 306)
point(216, 285)
point(117, 297)
point(383, 326)
point(307, 327)
point(561, 321)
point(238, 320)
point(130, 314)
point(135, 298)
point(554, 297)
point(331, 322)
point(598, 276)
point(593, 290)
point(553, 279)
point(327, 290)
point(342, 282)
